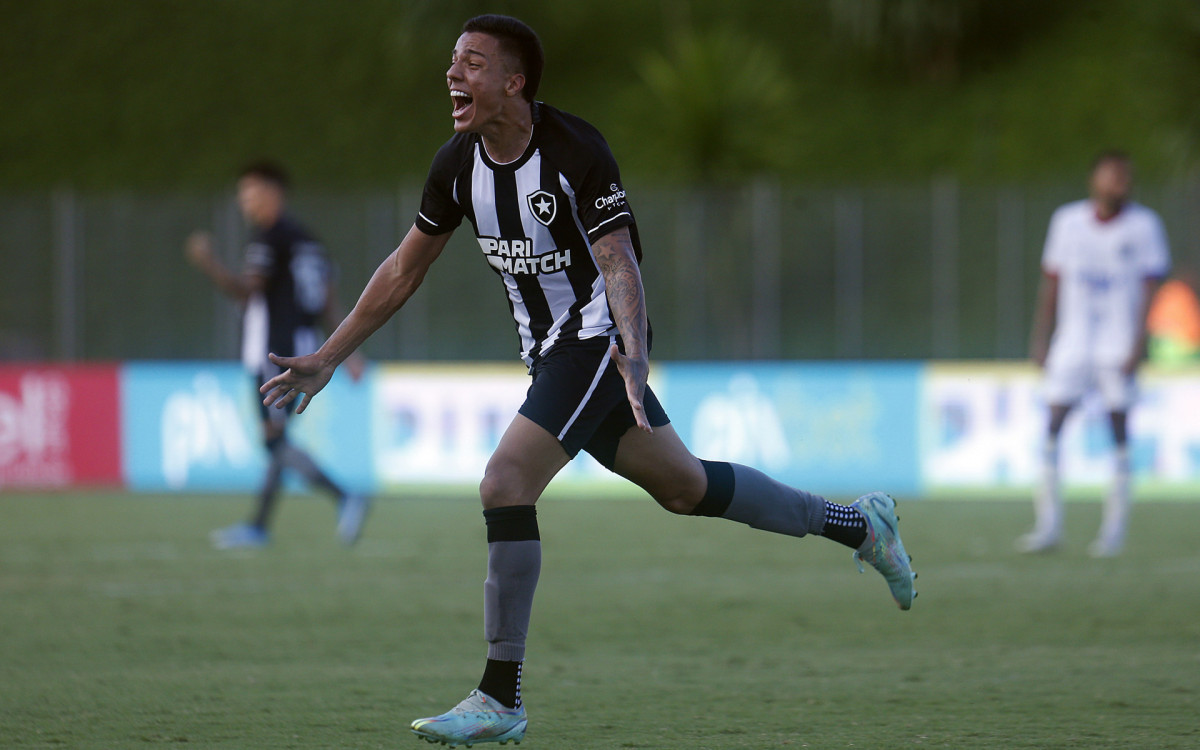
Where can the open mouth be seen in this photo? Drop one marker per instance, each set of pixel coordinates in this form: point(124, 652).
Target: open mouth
point(462, 100)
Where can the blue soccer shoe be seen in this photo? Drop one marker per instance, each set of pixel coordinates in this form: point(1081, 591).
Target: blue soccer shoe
point(479, 718)
point(883, 549)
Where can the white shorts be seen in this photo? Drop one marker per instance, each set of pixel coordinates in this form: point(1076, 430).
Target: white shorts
point(1066, 384)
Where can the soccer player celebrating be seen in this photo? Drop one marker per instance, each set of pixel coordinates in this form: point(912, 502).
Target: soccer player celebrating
point(286, 290)
point(545, 200)
point(1103, 260)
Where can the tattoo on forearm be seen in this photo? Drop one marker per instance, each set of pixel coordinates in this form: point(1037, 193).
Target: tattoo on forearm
point(623, 281)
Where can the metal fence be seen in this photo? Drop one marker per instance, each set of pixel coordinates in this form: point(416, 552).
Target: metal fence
point(756, 271)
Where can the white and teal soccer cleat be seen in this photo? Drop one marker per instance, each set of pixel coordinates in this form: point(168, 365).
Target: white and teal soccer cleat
point(352, 513)
point(479, 718)
point(883, 549)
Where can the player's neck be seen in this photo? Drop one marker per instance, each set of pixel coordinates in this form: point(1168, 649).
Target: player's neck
point(267, 219)
point(1105, 211)
point(507, 138)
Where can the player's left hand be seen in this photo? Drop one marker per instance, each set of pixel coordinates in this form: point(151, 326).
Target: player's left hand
point(635, 371)
point(301, 376)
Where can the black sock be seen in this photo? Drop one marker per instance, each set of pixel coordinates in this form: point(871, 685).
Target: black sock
point(844, 525)
point(502, 681)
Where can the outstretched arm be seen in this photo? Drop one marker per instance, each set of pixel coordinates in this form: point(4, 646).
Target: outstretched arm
point(1044, 318)
point(238, 287)
point(332, 317)
point(617, 260)
point(389, 288)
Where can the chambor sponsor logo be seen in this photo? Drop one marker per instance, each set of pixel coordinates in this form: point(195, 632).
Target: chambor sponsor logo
point(516, 256)
point(615, 198)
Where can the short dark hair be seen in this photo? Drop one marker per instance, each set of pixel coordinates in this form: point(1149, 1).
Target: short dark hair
point(1108, 155)
point(268, 170)
point(517, 40)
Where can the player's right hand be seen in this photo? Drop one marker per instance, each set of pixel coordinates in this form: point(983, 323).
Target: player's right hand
point(302, 376)
point(634, 371)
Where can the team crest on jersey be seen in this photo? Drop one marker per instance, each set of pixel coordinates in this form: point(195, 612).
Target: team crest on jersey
point(543, 206)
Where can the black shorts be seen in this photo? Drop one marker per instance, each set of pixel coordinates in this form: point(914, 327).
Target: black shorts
point(578, 396)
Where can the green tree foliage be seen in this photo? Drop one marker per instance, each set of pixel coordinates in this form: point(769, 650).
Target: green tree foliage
point(713, 97)
point(924, 35)
point(170, 93)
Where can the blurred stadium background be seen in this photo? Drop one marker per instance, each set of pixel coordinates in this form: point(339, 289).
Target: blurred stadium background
point(822, 179)
point(847, 196)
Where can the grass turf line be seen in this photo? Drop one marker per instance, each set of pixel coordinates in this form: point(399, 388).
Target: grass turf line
point(121, 628)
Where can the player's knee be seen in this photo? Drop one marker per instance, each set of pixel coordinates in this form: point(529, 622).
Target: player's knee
point(273, 431)
point(678, 501)
point(501, 486)
point(1058, 416)
point(679, 492)
point(274, 441)
point(678, 486)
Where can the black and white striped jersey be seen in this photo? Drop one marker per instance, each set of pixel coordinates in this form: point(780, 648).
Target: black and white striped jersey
point(536, 219)
point(284, 316)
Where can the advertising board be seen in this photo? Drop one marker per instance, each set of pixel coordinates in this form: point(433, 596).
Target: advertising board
point(59, 426)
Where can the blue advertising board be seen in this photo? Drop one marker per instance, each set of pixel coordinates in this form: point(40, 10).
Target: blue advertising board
point(830, 428)
point(834, 428)
point(196, 426)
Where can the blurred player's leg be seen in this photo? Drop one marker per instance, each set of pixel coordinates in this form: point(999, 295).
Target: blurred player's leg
point(299, 461)
point(1047, 504)
point(352, 514)
point(352, 508)
point(281, 455)
point(269, 491)
point(1047, 499)
point(254, 532)
point(1111, 538)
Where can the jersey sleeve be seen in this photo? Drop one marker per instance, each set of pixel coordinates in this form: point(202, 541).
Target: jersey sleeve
point(1155, 255)
point(600, 196)
point(312, 276)
point(440, 210)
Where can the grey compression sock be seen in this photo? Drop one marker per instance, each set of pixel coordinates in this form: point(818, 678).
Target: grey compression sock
point(762, 503)
point(514, 563)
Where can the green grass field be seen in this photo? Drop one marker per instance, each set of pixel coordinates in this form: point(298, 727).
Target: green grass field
point(121, 628)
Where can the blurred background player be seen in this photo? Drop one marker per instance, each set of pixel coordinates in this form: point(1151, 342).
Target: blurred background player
point(1103, 260)
point(286, 291)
